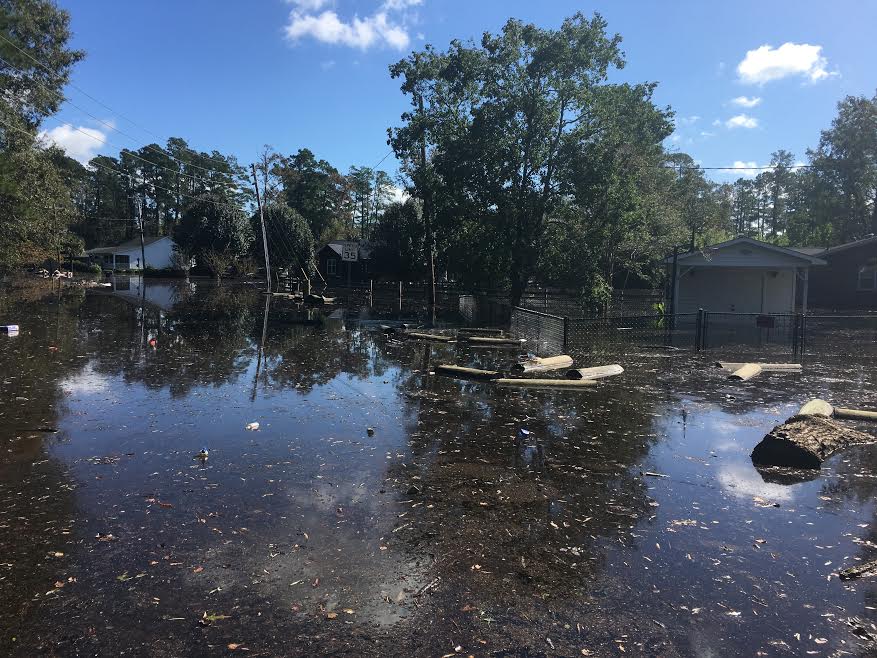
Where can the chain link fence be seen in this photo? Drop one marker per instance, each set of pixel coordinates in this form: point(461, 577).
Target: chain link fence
point(617, 335)
point(752, 333)
point(545, 333)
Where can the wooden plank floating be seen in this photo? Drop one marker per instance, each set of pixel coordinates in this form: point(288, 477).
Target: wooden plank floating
point(808, 438)
point(542, 364)
point(501, 342)
point(465, 373)
point(596, 372)
point(480, 331)
point(731, 366)
point(547, 383)
point(819, 407)
point(746, 372)
point(442, 338)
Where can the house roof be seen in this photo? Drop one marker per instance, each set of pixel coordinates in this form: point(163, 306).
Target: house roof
point(127, 246)
point(794, 254)
point(827, 251)
point(365, 248)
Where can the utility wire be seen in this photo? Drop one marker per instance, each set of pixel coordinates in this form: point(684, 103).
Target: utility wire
point(101, 121)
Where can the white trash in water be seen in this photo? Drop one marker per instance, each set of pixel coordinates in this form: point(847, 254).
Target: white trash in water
point(252, 426)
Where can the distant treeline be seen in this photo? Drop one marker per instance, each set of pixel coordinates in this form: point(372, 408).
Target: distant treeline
point(520, 162)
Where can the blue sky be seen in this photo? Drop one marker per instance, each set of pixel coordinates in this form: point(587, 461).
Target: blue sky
point(313, 73)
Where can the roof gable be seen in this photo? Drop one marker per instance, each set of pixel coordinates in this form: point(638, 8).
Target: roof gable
point(746, 252)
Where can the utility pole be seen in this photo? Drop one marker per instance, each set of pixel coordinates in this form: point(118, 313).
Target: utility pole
point(139, 210)
point(264, 236)
point(427, 215)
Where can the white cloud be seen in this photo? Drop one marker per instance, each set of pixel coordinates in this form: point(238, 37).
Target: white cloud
point(767, 63)
point(746, 101)
point(309, 5)
point(742, 121)
point(398, 195)
point(687, 121)
point(79, 143)
point(379, 28)
point(399, 5)
point(328, 64)
point(706, 134)
point(738, 169)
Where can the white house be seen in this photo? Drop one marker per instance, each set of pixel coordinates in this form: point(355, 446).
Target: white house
point(742, 275)
point(128, 256)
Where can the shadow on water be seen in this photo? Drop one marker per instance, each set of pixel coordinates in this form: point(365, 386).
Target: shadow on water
point(381, 510)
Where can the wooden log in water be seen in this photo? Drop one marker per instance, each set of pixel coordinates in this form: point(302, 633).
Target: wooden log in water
point(731, 366)
point(855, 414)
point(465, 373)
point(819, 407)
point(543, 364)
point(746, 372)
point(488, 341)
point(442, 338)
point(480, 331)
point(595, 372)
point(547, 383)
point(859, 570)
point(805, 441)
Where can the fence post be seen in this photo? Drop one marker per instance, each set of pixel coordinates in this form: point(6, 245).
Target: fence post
point(565, 333)
point(400, 294)
point(698, 331)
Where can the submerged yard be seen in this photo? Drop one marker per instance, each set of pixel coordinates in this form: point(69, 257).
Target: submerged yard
point(382, 510)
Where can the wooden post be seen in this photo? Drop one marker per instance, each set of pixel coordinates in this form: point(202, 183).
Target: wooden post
point(806, 289)
point(264, 236)
point(427, 218)
point(400, 295)
point(371, 292)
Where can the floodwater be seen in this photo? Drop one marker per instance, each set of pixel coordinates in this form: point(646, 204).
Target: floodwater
point(380, 510)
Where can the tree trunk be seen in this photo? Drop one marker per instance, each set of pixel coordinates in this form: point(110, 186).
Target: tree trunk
point(805, 441)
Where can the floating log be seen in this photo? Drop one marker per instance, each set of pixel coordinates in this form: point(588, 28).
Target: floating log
point(495, 342)
point(746, 371)
point(542, 364)
point(731, 366)
point(442, 338)
point(596, 372)
point(859, 570)
point(465, 373)
point(318, 299)
point(547, 383)
point(480, 331)
point(819, 407)
point(805, 441)
point(855, 414)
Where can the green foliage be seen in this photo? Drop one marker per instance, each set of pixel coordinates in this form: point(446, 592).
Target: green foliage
point(318, 192)
point(33, 91)
point(212, 225)
point(399, 241)
point(290, 241)
point(524, 129)
point(832, 201)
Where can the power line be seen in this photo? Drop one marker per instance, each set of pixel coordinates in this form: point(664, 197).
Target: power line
point(124, 173)
point(101, 121)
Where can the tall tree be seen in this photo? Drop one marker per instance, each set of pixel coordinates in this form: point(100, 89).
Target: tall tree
point(511, 123)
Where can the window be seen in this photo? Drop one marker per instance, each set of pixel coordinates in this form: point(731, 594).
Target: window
point(123, 262)
point(867, 279)
point(331, 267)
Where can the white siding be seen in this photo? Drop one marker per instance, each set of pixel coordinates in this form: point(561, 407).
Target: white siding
point(735, 290)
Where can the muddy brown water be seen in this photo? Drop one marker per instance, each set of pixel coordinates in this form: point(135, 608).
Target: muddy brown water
point(441, 532)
